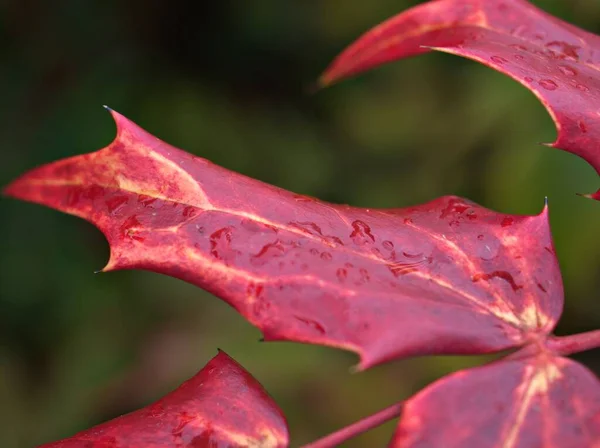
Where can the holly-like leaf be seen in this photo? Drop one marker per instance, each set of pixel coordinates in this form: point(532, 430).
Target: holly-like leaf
point(542, 401)
point(557, 61)
point(221, 406)
point(445, 277)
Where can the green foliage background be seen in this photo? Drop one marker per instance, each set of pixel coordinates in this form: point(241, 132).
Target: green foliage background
point(229, 80)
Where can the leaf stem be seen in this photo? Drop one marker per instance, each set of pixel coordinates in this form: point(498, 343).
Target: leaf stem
point(355, 429)
point(567, 345)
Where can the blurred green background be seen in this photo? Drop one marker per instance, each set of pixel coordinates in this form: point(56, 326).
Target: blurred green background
point(229, 80)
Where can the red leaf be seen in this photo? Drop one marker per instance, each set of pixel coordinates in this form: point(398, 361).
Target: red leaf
point(557, 61)
point(221, 406)
point(539, 401)
point(445, 277)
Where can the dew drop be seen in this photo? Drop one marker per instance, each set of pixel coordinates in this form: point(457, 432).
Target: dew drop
point(548, 84)
point(326, 256)
point(518, 31)
point(563, 50)
point(506, 276)
point(273, 250)
point(566, 70)
point(539, 35)
point(488, 250)
point(256, 227)
point(388, 245)
point(582, 88)
point(220, 244)
point(303, 198)
point(499, 60)
point(334, 240)
point(518, 47)
point(308, 227)
point(364, 275)
point(189, 212)
point(361, 233)
point(409, 255)
point(311, 324)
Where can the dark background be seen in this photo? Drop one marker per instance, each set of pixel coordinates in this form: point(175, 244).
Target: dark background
point(228, 80)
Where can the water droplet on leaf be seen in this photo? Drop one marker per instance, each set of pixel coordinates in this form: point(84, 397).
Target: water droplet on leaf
point(499, 60)
point(548, 84)
point(506, 276)
point(361, 233)
point(312, 324)
point(566, 70)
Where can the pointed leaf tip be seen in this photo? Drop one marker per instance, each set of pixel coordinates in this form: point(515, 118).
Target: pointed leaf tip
point(323, 82)
point(594, 196)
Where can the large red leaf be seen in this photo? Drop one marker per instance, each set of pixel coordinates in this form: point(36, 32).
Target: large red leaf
point(541, 401)
point(559, 62)
point(222, 406)
point(445, 277)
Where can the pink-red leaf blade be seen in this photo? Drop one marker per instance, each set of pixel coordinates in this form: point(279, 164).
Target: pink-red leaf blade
point(444, 277)
point(558, 62)
point(221, 406)
point(544, 401)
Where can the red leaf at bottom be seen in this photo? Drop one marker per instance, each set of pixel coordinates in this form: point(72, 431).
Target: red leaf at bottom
point(543, 401)
point(222, 406)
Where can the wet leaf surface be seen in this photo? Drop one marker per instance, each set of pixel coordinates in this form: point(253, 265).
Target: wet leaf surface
point(445, 277)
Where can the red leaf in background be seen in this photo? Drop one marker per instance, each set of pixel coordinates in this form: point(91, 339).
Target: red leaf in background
point(557, 61)
point(448, 276)
point(222, 406)
point(540, 401)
